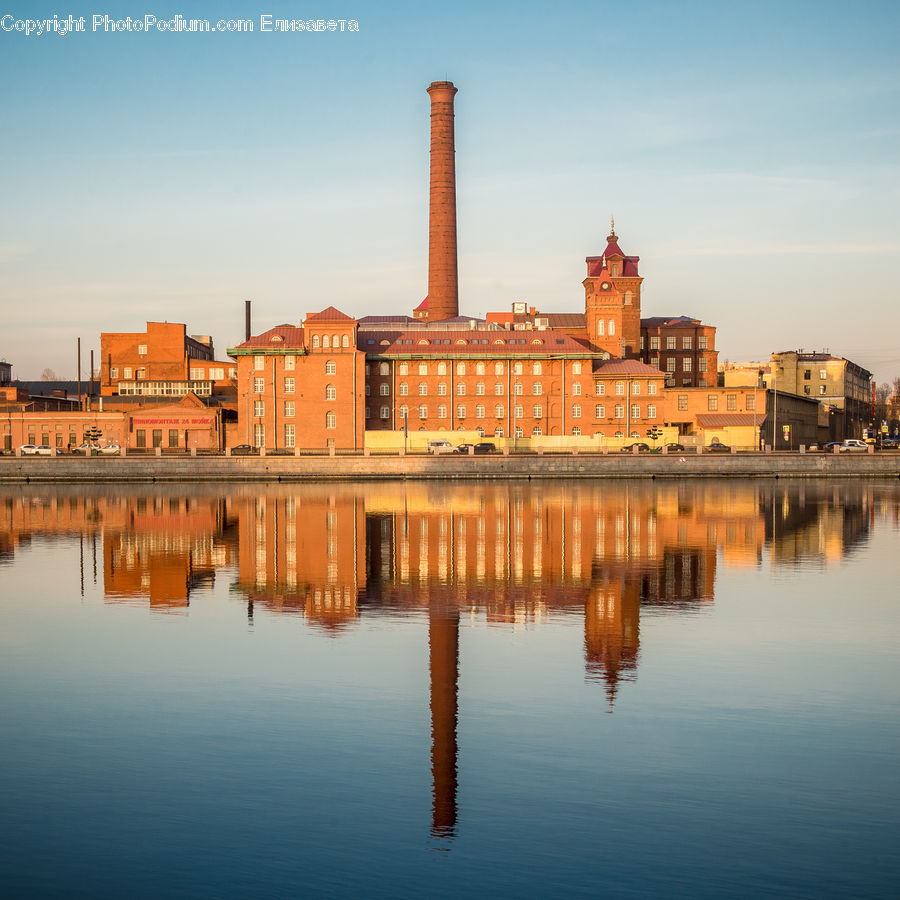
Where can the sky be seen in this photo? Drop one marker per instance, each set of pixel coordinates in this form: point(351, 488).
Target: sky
point(748, 151)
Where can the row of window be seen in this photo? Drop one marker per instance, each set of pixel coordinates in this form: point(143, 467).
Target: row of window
point(712, 402)
point(480, 368)
point(290, 362)
point(212, 374)
point(686, 363)
point(327, 341)
point(687, 342)
point(164, 388)
point(537, 412)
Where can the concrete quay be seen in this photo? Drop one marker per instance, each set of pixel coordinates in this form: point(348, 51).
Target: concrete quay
point(172, 468)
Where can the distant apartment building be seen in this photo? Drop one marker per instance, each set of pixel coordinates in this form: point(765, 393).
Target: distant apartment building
point(844, 387)
point(5, 373)
point(682, 347)
point(162, 362)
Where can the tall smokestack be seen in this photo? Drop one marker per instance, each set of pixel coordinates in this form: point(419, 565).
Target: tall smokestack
point(443, 290)
point(246, 320)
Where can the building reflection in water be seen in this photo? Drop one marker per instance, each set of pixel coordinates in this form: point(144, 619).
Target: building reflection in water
point(516, 554)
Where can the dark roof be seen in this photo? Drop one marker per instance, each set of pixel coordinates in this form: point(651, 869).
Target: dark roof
point(657, 321)
point(625, 367)
point(290, 335)
point(565, 320)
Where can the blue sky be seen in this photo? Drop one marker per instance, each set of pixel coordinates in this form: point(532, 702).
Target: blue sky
point(747, 150)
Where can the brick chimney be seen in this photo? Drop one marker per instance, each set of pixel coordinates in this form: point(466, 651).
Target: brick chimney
point(443, 290)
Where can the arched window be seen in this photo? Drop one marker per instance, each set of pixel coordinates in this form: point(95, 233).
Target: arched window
point(315, 342)
point(330, 420)
point(461, 389)
point(576, 368)
point(479, 412)
point(517, 368)
point(423, 389)
point(536, 368)
point(403, 412)
point(519, 431)
point(330, 367)
point(404, 389)
point(498, 389)
point(384, 389)
point(326, 341)
point(423, 412)
point(498, 431)
point(330, 392)
point(336, 341)
point(384, 369)
point(536, 431)
point(442, 389)
point(576, 411)
point(345, 340)
point(479, 389)
point(576, 431)
point(576, 389)
point(479, 368)
point(423, 368)
point(460, 412)
point(442, 412)
point(600, 330)
point(628, 298)
point(460, 368)
point(498, 410)
point(498, 368)
point(612, 327)
point(517, 388)
point(404, 369)
point(442, 368)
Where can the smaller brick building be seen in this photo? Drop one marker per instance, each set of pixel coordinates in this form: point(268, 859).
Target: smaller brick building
point(682, 347)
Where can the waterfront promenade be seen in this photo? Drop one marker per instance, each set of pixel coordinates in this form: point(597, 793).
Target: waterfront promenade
point(169, 468)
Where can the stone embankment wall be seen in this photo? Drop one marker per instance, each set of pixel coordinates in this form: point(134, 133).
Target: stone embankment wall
point(286, 468)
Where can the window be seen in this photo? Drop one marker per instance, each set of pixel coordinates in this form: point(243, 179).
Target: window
point(113, 371)
point(157, 437)
point(601, 330)
point(330, 420)
point(599, 411)
point(404, 389)
point(384, 369)
point(687, 342)
point(537, 389)
point(519, 432)
point(460, 412)
point(259, 435)
point(702, 363)
point(331, 367)
point(702, 342)
point(712, 402)
point(290, 363)
point(576, 368)
point(326, 341)
point(461, 389)
point(517, 368)
point(498, 431)
point(670, 364)
point(259, 363)
point(576, 431)
point(479, 389)
point(315, 342)
point(142, 349)
point(479, 412)
point(479, 369)
point(498, 389)
point(518, 412)
point(498, 410)
point(620, 388)
point(823, 389)
point(126, 372)
point(628, 298)
point(173, 437)
point(442, 368)
point(612, 328)
point(750, 402)
point(289, 385)
point(654, 361)
point(386, 411)
point(404, 369)
point(576, 389)
point(403, 412)
point(461, 368)
point(442, 389)
point(686, 364)
point(807, 374)
point(423, 412)
point(635, 411)
point(536, 431)
point(194, 374)
point(651, 387)
point(635, 387)
point(140, 373)
point(498, 368)
point(442, 412)
point(620, 411)
point(682, 401)
point(576, 411)
point(537, 412)
point(823, 374)
point(537, 368)
point(384, 390)
point(517, 388)
point(731, 401)
point(651, 411)
point(259, 408)
point(423, 389)
point(654, 342)
point(345, 340)
point(670, 342)
point(330, 392)
point(289, 409)
point(599, 388)
point(216, 374)
point(423, 368)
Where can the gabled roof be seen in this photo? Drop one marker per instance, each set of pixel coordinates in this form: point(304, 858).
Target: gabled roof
point(280, 337)
point(329, 314)
point(626, 367)
point(423, 304)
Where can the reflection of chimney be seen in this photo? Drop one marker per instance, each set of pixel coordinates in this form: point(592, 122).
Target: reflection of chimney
point(443, 639)
point(443, 291)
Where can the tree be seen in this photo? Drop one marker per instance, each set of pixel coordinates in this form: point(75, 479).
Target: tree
point(49, 375)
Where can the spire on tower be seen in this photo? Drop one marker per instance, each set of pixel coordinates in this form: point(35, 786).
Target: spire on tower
point(612, 228)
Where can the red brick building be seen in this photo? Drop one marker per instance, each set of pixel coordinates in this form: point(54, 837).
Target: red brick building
point(683, 348)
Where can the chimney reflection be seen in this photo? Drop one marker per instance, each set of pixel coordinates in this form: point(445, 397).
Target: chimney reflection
point(443, 644)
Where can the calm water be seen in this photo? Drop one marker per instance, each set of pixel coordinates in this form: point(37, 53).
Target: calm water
point(411, 690)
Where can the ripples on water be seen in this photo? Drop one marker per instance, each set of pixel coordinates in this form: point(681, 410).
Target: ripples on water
point(390, 690)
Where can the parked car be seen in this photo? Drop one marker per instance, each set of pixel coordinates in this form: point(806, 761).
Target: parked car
point(890, 443)
point(28, 450)
point(242, 450)
point(44, 450)
point(641, 448)
point(829, 447)
point(485, 447)
point(463, 448)
point(441, 447)
point(672, 447)
point(852, 445)
point(85, 448)
point(111, 448)
point(718, 447)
